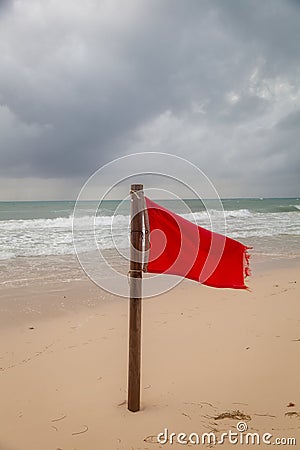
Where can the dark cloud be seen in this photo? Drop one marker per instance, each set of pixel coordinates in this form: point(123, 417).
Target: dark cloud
point(210, 81)
point(289, 122)
point(270, 28)
point(4, 4)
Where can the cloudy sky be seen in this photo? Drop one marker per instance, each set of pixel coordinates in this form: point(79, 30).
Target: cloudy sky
point(214, 81)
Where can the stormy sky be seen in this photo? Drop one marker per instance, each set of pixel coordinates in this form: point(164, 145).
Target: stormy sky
point(216, 82)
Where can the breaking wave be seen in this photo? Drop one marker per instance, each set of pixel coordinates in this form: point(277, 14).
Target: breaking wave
point(53, 236)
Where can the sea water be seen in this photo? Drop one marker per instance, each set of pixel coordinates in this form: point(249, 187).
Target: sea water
point(33, 230)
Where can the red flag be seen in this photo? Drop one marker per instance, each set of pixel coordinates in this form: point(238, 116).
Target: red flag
point(180, 247)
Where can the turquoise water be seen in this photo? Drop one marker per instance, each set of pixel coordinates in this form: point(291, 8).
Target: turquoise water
point(271, 225)
point(64, 209)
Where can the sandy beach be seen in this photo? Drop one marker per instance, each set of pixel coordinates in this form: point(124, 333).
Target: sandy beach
point(211, 358)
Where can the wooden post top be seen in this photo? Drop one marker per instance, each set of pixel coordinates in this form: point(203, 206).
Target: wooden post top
point(137, 187)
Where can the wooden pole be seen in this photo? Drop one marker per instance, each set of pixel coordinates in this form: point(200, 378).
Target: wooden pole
point(135, 307)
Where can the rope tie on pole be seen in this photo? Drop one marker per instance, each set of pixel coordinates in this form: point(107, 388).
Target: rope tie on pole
point(134, 274)
point(136, 194)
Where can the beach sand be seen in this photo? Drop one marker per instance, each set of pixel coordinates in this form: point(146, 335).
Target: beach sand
point(210, 358)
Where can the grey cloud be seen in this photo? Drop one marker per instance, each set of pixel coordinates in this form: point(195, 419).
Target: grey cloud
point(289, 122)
point(245, 108)
point(78, 85)
point(269, 28)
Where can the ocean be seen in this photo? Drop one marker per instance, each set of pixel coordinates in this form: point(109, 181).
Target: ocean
point(30, 231)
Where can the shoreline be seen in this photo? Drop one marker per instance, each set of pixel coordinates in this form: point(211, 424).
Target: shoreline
point(50, 296)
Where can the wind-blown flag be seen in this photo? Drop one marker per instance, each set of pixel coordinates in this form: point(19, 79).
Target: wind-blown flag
point(180, 247)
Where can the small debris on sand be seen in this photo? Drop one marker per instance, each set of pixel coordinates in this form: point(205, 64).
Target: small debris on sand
point(236, 414)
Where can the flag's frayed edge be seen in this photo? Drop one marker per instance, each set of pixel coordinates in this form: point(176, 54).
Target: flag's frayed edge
point(247, 256)
point(247, 270)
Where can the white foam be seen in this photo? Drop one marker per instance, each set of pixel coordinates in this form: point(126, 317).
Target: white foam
point(37, 237)
point(6, 255)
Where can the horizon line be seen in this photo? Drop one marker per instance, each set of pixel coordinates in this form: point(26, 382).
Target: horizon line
point(161, 199)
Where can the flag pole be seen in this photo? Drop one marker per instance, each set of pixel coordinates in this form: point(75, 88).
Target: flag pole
point(135, 305)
